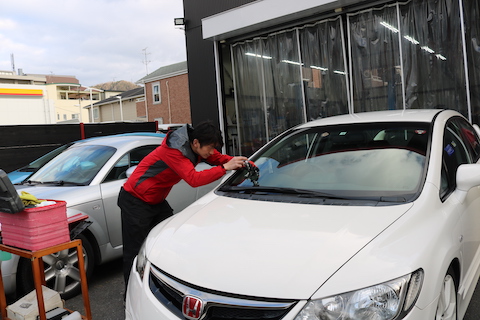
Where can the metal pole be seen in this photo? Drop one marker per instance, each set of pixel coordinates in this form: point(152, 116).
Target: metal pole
point(91, 105)
point(121, 109)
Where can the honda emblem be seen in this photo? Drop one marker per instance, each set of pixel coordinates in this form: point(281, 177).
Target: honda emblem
point(192, 307)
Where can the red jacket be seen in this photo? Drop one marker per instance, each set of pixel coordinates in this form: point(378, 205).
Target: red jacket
point(165, 166)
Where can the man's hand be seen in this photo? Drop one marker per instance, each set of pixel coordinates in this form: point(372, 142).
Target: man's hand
point(235, 163)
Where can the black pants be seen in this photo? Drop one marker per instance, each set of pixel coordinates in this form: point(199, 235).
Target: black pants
point(138, 218)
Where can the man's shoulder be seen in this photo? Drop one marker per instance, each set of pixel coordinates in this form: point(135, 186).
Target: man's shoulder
point(166, 151)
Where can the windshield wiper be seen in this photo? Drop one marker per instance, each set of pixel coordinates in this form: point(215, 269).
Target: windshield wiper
point(31, 182)
point(281, 190)
point(62, 182)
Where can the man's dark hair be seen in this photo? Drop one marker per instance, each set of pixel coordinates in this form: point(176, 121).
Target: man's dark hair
point(207, 134)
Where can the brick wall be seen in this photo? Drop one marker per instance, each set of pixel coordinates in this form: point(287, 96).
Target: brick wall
point(175, 101)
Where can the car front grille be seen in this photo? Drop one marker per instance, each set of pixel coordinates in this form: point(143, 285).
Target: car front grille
point(218, 306)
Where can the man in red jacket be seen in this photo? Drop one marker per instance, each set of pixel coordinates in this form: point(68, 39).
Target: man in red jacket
point(142, 198)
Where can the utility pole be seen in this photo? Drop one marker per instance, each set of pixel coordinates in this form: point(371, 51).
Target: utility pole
point(13, 63)
point(146, 62)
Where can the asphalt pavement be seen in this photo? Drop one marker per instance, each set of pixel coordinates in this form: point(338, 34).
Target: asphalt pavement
point(106, 292)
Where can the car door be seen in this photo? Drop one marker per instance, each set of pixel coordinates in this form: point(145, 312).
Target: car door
point(182, 195)
point(461, 145)
point(110, 188)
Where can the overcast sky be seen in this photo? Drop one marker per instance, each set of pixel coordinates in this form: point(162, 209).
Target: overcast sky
point(95, 40)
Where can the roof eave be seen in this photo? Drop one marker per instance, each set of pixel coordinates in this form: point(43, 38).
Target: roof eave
point(161, 77)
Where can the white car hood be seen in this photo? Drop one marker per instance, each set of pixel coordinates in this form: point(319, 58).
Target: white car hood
point(266, 249)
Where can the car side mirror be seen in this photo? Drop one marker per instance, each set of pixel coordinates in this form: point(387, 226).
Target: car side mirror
point(130, 171)
point(468, 176)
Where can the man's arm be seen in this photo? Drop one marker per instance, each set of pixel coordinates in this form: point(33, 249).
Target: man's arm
point(228, 162)
point(184, 168)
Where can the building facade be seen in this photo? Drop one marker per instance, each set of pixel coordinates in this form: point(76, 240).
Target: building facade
point(23, 99)
point(118, 106)
point(167, 97)
point(272, 64)
point(43, 99)
point(163, 97)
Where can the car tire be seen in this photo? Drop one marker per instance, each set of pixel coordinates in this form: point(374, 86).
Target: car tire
point(447, 301)
point(61, 271)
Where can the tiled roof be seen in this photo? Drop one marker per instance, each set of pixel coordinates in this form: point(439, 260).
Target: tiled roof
point(61, 79)
point(130, 94)
point(166, 72)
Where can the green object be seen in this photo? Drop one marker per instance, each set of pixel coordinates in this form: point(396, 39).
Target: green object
point(4, 256)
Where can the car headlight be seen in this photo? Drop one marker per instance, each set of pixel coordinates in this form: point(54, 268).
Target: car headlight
point(141, 261)
point(385, 301)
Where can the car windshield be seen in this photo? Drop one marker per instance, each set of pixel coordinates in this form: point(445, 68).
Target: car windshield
point(379, 162)
point(77, 165)
point(34, 165)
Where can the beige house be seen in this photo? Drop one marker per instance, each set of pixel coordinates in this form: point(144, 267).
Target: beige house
point(71, 99)
point(119, 107)
point(66, 94)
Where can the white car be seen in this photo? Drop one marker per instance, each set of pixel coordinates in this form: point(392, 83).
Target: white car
point(88, 176)
point(363, 216)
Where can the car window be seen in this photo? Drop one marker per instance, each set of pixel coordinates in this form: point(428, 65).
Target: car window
point(130, 159)
point(362, 161)
point(47, 157)
point(459, 147)
point(469, 137)
point(76, 165)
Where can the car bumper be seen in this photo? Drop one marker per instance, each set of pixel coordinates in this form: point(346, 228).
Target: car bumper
point(141, 304)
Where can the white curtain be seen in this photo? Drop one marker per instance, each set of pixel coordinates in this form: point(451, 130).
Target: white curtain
point(472, 30)
point(324, 72)
point(433, 55)
point(375, 60)
point(404, 55)
point(286, 79)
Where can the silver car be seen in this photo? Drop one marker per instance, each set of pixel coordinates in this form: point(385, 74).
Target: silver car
point(88, 176)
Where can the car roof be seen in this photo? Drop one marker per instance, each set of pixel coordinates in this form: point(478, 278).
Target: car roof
point(410, 115)
point(120, 140)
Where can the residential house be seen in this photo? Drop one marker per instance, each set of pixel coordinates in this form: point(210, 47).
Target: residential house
point(67, 96)
point(167, 97)
point(119, 107)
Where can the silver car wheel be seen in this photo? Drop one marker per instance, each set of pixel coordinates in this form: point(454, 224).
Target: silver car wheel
point(447, 302)
point(61, 271)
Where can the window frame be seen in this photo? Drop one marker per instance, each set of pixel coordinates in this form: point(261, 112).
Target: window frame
point(156, 96)
point(448, 173)
point(131, 162)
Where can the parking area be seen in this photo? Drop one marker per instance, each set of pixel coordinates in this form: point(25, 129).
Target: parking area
point(106, 291)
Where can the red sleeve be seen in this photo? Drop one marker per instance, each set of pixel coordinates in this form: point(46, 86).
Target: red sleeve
point(186, 171)
point(218, 158)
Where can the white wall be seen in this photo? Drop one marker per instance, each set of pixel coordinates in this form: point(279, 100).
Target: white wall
point(18, 109)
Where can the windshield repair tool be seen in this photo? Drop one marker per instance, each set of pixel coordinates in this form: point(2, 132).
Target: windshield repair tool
point(252, 172)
